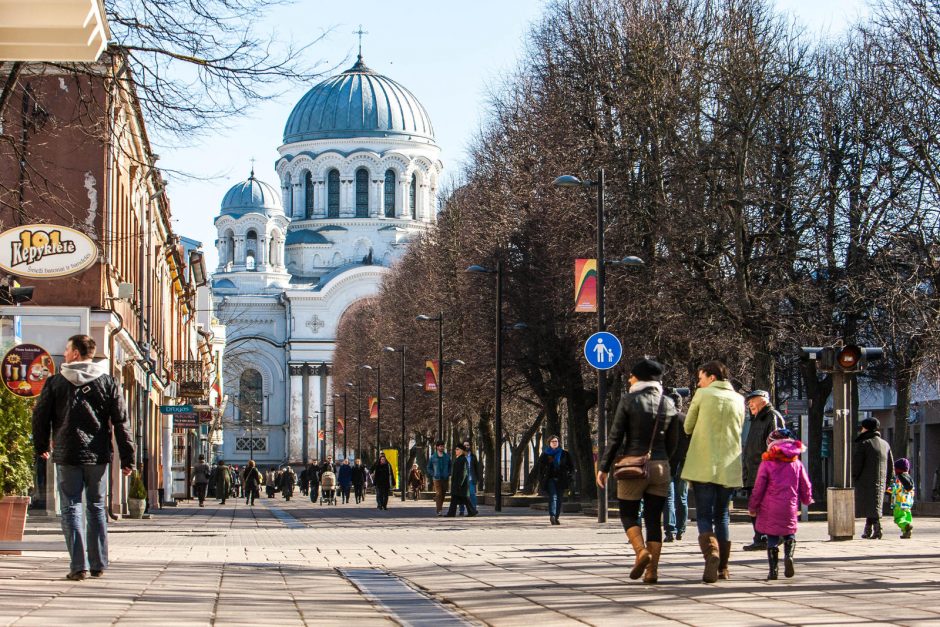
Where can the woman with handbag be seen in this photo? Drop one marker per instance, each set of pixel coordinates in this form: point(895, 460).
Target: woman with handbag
point(643, 436)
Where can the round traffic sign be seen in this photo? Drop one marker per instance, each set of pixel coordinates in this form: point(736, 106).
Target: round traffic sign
point(603, 350)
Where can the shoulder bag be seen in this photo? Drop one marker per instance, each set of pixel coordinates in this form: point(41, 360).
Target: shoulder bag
point(637, 466)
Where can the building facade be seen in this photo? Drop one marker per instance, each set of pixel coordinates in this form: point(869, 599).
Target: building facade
point(358, 176)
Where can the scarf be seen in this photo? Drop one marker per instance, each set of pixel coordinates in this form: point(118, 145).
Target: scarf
point(555, 455)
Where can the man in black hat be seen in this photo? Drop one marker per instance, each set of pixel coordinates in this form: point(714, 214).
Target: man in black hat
point(460, 483)
point(764, 420)
point(872, 472)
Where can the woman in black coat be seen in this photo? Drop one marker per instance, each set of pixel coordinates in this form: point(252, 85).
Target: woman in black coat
point(384, 479)
point(252, 480)
point(555, 472)
point(873, 472)
point(287, 482)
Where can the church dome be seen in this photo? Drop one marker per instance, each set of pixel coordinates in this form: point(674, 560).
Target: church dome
point(358, 103)
point(252, 196)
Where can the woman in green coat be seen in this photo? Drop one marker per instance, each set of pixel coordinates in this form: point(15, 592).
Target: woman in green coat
point(223, 481)
point(713, 464)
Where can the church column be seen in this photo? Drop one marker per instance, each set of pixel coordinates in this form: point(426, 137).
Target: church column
point(404, 185)
point(314, 410)
point(297, 189)
point(320, 199)
point(346, 208)
point(262, 254)
point(239, 260)
point(296, 418)
point(375, 199)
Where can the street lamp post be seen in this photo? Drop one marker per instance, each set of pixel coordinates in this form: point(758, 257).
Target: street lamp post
point(440, 375)
point(345, 424)
point(404, 444)
point(572, 181)
point(378, 405)
point(358, 387)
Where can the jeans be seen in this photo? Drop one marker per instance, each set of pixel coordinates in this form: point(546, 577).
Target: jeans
point(676, 513)
point(554, 498)
point(92, 482)
point(712, 509)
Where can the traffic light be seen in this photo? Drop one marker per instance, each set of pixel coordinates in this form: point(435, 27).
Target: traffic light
point(851, 358)
point(824, 356)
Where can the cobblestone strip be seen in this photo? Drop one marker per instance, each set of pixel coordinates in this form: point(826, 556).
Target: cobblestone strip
point(400, 601)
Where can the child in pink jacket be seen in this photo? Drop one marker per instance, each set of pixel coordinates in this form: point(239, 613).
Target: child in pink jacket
point(781, 486)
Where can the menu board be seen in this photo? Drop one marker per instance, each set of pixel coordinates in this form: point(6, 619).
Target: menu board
point(25, 369)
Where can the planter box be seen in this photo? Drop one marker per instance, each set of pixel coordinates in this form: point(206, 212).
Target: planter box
point(12, 520)
point(136, 507)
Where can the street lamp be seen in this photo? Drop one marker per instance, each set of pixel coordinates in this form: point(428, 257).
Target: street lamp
point(333, 437)
point(568, 180)
point(345, 424)
point(358, 387)
point(378, 405)
point(440, 375)
point(401, 351)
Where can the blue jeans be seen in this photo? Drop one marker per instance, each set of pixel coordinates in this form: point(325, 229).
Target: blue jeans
point(774, 541)
point(473, 497)
point(554, 498)
point(676, 513)
point(712, 509)
point(92, 482)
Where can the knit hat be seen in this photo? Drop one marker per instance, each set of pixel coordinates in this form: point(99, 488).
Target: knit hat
point(461, 446)
point(647, 370)
point(902, 465)
point(780, 434)
point(871, 424)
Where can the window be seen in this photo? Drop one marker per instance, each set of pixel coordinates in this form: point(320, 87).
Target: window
point(257, 444)
point(308, 196)
point(390, 193)
point(250, 397)
point(332, 194)
point(413, 195)
point(251, 247)
point(362, 193)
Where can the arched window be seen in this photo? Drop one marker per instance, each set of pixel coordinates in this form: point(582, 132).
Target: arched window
point(332, 194)
point(362, 193)
point(413, 195)
point(251, 250)
point(390, 193)
point(308, 195)
point(250, 397)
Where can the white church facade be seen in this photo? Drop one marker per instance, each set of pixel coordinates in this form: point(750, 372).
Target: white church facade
point(358, 176)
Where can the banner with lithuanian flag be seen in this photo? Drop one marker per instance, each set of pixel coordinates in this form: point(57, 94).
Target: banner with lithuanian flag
point(585, 285)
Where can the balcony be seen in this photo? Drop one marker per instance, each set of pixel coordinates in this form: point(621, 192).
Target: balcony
point(190, 378)
point(52, 30)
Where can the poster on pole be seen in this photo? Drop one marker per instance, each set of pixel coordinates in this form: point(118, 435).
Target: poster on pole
point(340, 426)
point(585, 285)
point(26, 368)
point(431, 375)
point(373, 407)
point(321, 435)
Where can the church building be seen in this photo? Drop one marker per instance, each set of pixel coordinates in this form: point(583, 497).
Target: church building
point(358, 178)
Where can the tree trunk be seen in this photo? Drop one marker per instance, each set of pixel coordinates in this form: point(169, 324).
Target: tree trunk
point(518, 451)
point(488, 444)
point(902, 409)
point(579, 426)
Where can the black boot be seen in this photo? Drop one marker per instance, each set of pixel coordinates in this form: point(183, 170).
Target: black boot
point(773, 559)
point(876, 530)
point(907, 532)
point(760, 540)
point(867, 532)
point(789, 546)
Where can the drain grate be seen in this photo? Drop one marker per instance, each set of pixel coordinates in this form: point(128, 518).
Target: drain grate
point(405, 604)
point(289, 521)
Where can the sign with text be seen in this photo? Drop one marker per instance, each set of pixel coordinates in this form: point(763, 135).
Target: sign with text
point(26, 368)
point(46, 251)
point(431, 375)
point(585, 285)
point(176, 409)
point(186, 421)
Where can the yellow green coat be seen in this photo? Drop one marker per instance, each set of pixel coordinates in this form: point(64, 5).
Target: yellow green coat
point(715, 421)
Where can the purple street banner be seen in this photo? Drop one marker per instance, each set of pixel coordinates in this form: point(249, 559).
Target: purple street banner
point(585, 285)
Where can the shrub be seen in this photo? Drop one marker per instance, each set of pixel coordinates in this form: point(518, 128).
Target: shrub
point(16, 444)
point(137, 489)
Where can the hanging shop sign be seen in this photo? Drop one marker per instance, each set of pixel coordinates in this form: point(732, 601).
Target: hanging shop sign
point(26, 368)
point(46, 251)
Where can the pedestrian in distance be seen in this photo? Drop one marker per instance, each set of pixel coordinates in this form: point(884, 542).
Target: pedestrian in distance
point(439, 471)
point(780, 486)
point(643, 425)
point(270, 482)
point(460, 484)
point(384, 479)
point(237, 490)
point(415, 481)
point(555, 470)
point(902, 497)
point(714, 421)
point(313, 481)
point(329, 464)
point(252, 481)
point(473, 467)
point(78, 414)
point(201, 474)
point(304, 482)
point(345, 479)
point(359, 480)
point(676, 512)
point(288, 481)
point(764, 420)
point(223, 481)
point(873, 472)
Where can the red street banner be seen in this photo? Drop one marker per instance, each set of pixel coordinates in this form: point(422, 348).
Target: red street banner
point(373, 408)
point(585, 285)
point(320, 434)
point(340, 425)
point(431, 375)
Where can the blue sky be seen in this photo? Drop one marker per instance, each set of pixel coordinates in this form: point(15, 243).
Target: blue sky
point(446, 53)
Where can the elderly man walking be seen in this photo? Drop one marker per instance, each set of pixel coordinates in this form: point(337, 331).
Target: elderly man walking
point(80, 410)
point(764, 421)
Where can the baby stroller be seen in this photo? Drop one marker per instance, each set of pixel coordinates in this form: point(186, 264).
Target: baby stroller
point(328, 488)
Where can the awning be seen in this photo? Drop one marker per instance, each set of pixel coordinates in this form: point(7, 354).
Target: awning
point(52, 30)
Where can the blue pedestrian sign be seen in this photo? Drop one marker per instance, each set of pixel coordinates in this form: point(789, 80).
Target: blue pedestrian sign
point(603, 350)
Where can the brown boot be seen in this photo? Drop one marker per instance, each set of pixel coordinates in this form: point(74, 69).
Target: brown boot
point(635, 535)
point(708, 543)
point(724, 552)
point(652, 574)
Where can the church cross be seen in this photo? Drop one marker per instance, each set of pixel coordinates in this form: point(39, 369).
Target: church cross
point(252, 166)
point(315, 324)
point(360, 32)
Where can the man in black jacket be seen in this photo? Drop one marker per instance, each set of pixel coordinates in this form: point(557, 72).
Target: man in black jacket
point(79, 409)
point(764, 420)
point(460, 484)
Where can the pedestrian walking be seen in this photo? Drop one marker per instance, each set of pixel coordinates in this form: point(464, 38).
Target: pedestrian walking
point(223, 481)
point(201, 474)
point(345, 479)
point(288, 481)
point(643, 427)
point(902, 497)
point(555, 471)
point(384, 479)
point(304, 481)
point(873, 472)
point(78, 414)
point(439, 471)
point(313, 481)
point(764, 420)
point(415, 481)
point(780, 486)
point(270, 482)
point(460, 484)
point(713, 463)
point(329, 464)
point(473, 467)
point(359, 480)
point(676, 512)
point(237, 491)
point(252, 481)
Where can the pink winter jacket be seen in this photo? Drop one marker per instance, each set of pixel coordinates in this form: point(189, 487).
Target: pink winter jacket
point(781, 485)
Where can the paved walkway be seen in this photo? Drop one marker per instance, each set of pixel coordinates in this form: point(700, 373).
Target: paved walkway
point(296, 563)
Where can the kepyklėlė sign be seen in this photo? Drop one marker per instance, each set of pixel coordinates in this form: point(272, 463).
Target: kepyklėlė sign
point(46, 251)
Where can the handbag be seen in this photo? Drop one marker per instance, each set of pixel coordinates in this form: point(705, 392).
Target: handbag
point(638, 466)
